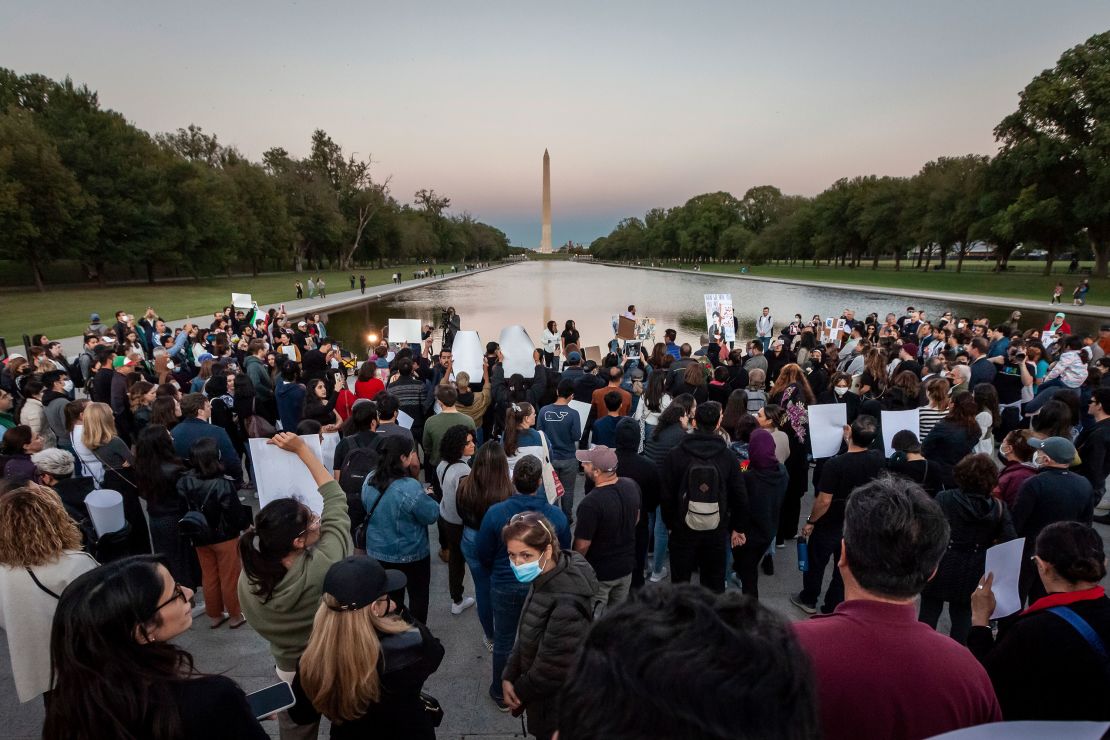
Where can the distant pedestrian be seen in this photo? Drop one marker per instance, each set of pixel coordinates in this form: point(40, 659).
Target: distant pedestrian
point(321, 288)
point(1079, 295)
point(300, 289)
point(1057, 292)
point(352, 281)
point(362, 283)
point(311, 288)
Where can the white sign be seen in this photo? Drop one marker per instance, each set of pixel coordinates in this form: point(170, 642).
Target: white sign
point(1005, 562)
point(327, 450)
point(718, 317)
point(241, 300)
point(281, 474)
point(894, 422)
point(468, 355)
point(826, 428)
point(289, 351)
point(583, 410)
point(404, 331)
point(517, 347)
point(404, 420)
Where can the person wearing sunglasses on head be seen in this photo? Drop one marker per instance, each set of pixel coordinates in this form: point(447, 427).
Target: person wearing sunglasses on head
point(118, 675)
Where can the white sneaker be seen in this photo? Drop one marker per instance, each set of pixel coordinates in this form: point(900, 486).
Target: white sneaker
point(1104, 504)
point(659, 575)
point(488, 643)
point(462, 606)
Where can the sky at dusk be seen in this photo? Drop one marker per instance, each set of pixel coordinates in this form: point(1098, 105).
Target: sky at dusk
point(641, 104)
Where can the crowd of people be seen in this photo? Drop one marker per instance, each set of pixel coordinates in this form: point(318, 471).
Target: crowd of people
point(581, 529)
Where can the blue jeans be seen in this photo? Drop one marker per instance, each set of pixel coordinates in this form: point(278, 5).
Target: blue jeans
point(567, 470)
point(766, 342)
point(508, 600)
point(661, 538)
point(481, 581)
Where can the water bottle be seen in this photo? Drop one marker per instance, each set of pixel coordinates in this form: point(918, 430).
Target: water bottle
point(803, 555)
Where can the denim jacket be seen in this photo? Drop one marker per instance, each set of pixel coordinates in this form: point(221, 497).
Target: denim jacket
point(398, 531)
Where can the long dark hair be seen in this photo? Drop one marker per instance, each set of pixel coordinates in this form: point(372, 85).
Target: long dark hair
point(262, 547)
point(164, 412)
point(204, 458)
point(735, 408)
point(363, 415)
point(487, 484)
point(515, 415)
point(154, 453)
point(107, 683)
point(653, 393)
point(962, 413)
point(680, 407)
point(390, 467)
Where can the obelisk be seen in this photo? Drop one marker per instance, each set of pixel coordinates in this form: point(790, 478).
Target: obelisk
point(545, 237)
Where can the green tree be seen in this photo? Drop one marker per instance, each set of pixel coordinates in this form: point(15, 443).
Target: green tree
point(42, 206)
point(1062, 130)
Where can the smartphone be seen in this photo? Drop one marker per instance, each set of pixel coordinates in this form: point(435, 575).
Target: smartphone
point(271, 700)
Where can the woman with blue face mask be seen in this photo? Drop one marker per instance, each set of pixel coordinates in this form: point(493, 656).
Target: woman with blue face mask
point(553, 622)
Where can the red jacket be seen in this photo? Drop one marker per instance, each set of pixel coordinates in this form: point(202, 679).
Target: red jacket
point(1064, 328)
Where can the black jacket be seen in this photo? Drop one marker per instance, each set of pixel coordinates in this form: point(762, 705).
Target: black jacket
point(656, 446)
point(1043, 669)
point(553, 623)
point(710, 449)
point(218, 497)
point(405, 662)
point(637, 467)
point(1093, 446)
point(977, 522)
point(766, 489)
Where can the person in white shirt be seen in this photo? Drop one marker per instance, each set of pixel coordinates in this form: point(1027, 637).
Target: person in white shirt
point(550, 339)
point(764, 325)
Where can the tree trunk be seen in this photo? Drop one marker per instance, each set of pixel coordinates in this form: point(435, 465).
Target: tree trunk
point(150, 271)
point(36, 270)
point(943, 257)
point(897, 259)
point(100, 281)
point(960, 261)
point(928, 258)
point(254, 266)
point(1102, 256)
point(298, 256)
point(1048, 260)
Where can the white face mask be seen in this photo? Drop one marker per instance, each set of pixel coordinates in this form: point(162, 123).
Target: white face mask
point(335, 363)
point(68, 386)
point(169, 366)
point(840, 390)
point(1039, 459)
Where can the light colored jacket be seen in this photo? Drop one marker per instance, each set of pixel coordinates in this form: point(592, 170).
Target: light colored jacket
point(27, 612)
point(33, 414)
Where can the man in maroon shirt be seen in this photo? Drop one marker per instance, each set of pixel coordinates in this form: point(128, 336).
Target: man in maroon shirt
point(880, 672)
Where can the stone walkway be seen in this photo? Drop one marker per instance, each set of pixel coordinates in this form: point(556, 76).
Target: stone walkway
point(296, 308)
point(1021, 304)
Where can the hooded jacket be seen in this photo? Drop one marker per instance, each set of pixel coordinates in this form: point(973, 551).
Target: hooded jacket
point(259, 373)
point(977, 522)
point(766, 487)
point(285, 620)
point(710, 449)
point(637, 468)
point(553, 623)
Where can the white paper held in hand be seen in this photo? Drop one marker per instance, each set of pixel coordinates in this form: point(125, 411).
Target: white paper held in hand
point(281, 474)
point(1004, 561)
point(404, 420)
point(894, 422)
point(826, 428)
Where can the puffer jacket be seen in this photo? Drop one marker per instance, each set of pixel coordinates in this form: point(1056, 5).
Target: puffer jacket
point(553, 624)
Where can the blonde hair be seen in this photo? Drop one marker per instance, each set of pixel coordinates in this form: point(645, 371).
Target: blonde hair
point(339, 667)
point(99, 425)
point(462, 379)
point(34, 527)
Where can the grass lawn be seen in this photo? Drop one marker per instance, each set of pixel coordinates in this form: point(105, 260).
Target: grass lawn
point(63, 311)
point(1019, 283)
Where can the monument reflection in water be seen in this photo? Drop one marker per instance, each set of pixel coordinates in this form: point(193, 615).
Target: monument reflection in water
point(531, 293)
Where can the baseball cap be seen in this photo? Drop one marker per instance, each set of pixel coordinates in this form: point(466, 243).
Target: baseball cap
point(302, 323)
point(601, 457)
point(94, 317)
point(122, 361)
point(574, 357)
point(357, 581)
point(205, 357)
point(1060, 314)
point(1057, 448)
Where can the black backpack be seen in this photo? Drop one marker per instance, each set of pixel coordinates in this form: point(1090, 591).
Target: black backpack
point(702, 496)
point(358, 464)
point(205, 520)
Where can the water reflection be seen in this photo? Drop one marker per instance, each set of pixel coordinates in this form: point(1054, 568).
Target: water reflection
point(532, 293)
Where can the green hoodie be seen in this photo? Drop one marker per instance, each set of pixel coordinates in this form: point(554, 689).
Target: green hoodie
point(286, 619)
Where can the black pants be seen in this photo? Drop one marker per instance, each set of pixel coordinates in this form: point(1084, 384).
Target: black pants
point(700, 551)
point(958, 612)
point(789, 515)
point(641, 551)
point(419, 574)
point(745, 563)
point(824, 543)
point(456, 566)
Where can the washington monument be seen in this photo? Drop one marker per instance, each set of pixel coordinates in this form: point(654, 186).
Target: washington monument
point(545, 238)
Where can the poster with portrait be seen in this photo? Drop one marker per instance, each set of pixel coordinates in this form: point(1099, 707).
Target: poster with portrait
point(718, 317)
point(645, 330)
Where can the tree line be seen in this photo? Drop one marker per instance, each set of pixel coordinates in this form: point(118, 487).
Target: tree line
point(82, 183)
point(1047, 188)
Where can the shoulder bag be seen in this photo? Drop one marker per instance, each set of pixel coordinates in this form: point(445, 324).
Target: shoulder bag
point(552, 486)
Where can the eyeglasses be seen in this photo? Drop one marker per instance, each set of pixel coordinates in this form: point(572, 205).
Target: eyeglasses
point(313, 523)
point(178, 593)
